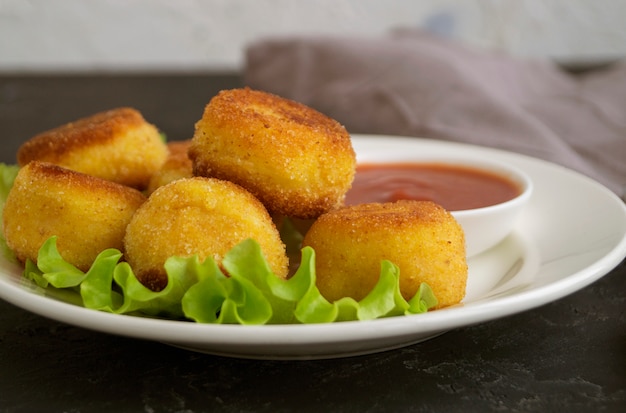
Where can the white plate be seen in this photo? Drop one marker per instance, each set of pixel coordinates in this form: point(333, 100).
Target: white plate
point(572, 233)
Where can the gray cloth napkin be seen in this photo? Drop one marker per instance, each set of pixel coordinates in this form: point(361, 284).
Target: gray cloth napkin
point(417, 84)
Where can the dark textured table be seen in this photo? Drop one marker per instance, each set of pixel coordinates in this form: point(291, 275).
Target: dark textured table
point(567, 356)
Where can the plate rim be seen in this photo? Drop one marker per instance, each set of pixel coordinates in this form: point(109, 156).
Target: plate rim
point(211, 338)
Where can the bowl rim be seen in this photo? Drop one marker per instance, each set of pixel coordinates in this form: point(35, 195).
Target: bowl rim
point(512, 173)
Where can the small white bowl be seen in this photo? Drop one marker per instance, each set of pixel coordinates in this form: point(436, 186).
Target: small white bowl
point(485, 227)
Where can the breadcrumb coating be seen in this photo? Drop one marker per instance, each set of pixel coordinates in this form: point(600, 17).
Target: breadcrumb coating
point(198, 216)
point(87, 214)
point(294, 159)
point(420, 237)
point(177, 165)
point(117, 145)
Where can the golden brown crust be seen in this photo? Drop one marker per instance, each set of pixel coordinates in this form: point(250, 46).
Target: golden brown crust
point(198, 216)
point(100, 128)
point(85, 213)
point(177, 165)
point(117, 145)
point(422, 238)
point(177, 152)
point(82, 182)
point(296, 160)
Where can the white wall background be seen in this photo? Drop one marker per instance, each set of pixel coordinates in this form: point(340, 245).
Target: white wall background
point(206, 35)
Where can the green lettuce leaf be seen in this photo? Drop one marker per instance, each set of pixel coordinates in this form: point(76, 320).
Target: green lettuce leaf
point(7, 177)
point(251, 294)
point(96, 288)
point(33, 273)
point(57, 271)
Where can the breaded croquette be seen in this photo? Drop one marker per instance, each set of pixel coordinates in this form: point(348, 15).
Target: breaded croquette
point(87, 214)
point(177, 165)
point(297, 161)
point(117, 145)
point(198, 216)
point(420, 237)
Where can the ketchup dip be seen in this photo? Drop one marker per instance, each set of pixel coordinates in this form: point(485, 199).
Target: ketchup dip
point(454, 187)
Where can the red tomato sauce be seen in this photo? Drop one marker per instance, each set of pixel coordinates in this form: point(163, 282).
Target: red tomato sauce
point(455, 188)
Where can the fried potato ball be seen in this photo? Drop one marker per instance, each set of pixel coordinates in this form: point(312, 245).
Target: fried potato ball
point(87, 214)
point(198, 216)
point(420, 237)
point(177, 165)
point(117, 145)
point(296, 160)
